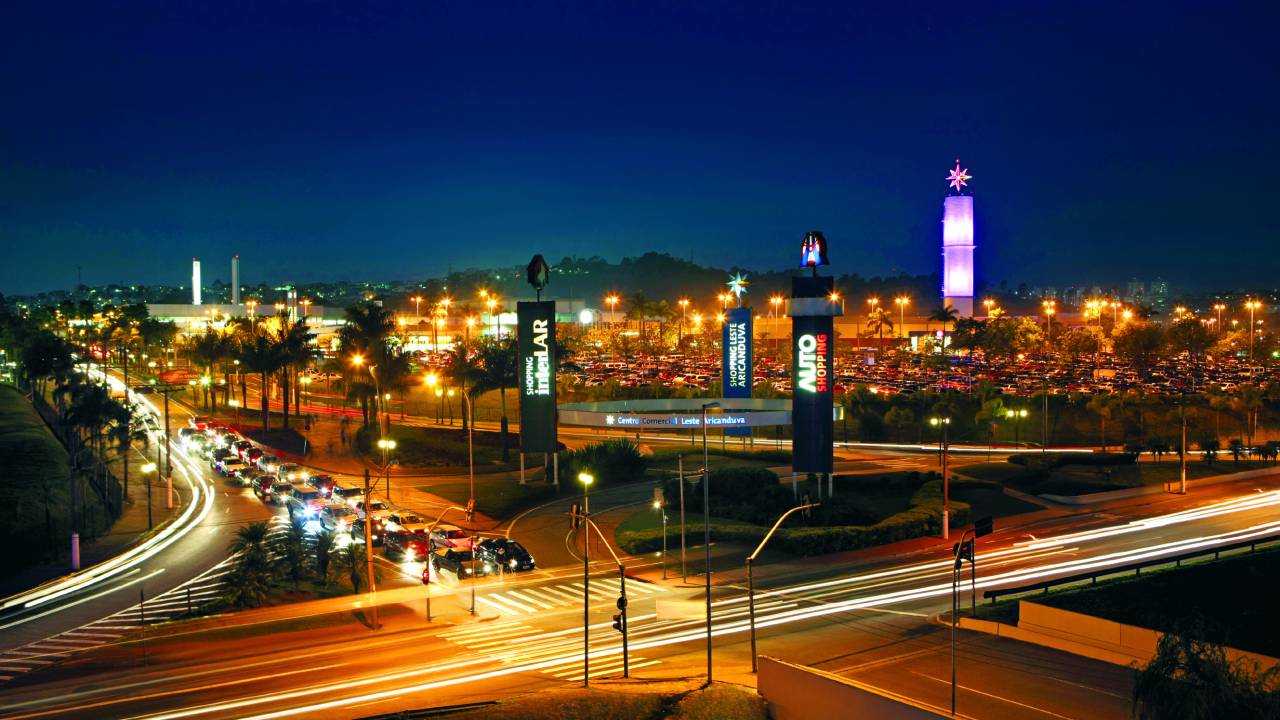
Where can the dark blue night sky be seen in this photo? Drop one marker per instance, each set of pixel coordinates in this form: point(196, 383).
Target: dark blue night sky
point(373, 140)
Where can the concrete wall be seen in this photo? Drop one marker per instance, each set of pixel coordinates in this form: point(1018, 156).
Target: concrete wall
point(795, 692)
point(1088, 636)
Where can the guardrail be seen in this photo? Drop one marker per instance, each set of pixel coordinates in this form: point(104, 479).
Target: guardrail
point(1135, 568)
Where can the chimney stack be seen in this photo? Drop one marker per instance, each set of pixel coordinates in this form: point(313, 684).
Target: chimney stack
point(235, 279)
point(195, 281)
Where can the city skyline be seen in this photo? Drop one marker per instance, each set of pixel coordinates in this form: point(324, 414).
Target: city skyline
point(143, 136)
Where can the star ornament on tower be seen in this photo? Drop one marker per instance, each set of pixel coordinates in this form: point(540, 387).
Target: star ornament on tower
point(738, 285)
point(958, 178)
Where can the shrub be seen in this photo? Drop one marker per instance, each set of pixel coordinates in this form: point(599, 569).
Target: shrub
point(609, 462)
point(924, 517)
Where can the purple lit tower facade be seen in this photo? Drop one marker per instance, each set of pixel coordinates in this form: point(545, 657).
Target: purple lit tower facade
point(957, 244)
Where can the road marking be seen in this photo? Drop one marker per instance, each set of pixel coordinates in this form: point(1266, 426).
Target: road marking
point(527, 597)
point(993, 697)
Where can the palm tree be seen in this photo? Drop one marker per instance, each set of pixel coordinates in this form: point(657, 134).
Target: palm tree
point(498, 371)
point(364, 336)
point(292, 347)
point(878, 320)
point(1104, 405)
point(1248, 401)
point(260, 356)
point(465, 372)
point(248, 584)
point(944, 314)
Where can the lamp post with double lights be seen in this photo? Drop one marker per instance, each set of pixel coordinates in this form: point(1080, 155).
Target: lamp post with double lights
point(902, 301)
point(662, 512)
point(1016, 416)
point(684, 311)
point(943, 423)
point(1252, 306)
point(1219, 307)
point(586, 479)
point(612, 302)
point(387, 445)
point(1050, 307)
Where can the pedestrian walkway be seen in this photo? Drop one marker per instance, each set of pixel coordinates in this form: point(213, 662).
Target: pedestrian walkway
point(185, 598)
point(531, 643)
point(545, 598)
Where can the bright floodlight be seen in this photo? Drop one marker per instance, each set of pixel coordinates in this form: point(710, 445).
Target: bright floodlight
point(585, 317)
point(586, 478)
point(149, 468)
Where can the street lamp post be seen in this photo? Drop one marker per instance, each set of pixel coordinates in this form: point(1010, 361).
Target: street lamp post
point(902, 302)
point(386, 445)
point(1016, 416)
point(751, 587)
point(944, 423)
point(147, 469)
point(706, 525)
point(1252, 305)
point(657, 505)
point(1219, 307)
point(586, 479)
point(684, 309)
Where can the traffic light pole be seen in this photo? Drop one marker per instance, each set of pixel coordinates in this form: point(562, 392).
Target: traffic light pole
point(620, 620)
point(368, 550)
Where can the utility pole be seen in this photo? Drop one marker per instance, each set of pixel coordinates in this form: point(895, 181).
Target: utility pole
point(368, 549)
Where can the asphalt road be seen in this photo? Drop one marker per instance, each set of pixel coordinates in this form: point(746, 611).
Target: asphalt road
point(869, 618)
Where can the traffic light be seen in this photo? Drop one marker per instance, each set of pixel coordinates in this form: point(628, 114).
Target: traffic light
point(471, 509)
point(617, 622)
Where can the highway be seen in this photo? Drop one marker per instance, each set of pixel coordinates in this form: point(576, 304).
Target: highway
point(865, 618)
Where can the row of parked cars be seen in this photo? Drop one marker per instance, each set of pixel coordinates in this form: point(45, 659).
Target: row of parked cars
point(318, 499)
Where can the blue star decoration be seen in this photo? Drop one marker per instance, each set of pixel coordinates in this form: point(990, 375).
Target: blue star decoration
point(738, 286)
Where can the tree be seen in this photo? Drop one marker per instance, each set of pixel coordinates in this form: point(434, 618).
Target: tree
point(1103, 405)
point(261, 356)
point(1141, 344)
point(1081, 341)
point(1210, 447)
point(498, 371)
point(325, 546)
point(1190, 679)
point(250, 580)
point(968, 334)
point(899, 418)
point(464, 371)
point(289, 549)
point(946, 315)
point(1189, 336)
point(1248, 401)
point(878, 320)
point(293, 350)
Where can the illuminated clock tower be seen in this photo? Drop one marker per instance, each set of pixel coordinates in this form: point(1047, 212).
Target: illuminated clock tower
point(957, 243)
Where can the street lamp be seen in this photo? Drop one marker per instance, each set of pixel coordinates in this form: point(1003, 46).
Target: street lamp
point(305, 303)
point(1252, 306)
point(1016, 416)
point(147, 469)
point(612, 302)
point(417, 306)
point(706, 524)
point(386, 445)
point(989, 303)
point(1219, 307)
point(901, 302)
point(657, 505)
point(944, 423)
point(586, 479)
point(1050, 307)
point(775, 303)
point(751, 587)
point(684, 308)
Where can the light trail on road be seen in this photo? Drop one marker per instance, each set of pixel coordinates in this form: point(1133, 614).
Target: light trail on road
point(515, 650)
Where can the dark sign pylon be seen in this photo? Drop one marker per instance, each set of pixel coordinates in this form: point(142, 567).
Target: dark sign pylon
point(812, 307)
point(737, 372)
point(536, 370)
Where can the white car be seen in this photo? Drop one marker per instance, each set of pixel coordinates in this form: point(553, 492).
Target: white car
point(406, 521)
point(451, 536)
point(337, 517)
point(379, 509)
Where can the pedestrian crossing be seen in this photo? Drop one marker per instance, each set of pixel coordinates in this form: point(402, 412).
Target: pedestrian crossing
point(193, 594)
point(531, 600)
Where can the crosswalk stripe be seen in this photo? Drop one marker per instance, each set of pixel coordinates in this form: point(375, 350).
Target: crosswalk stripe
point(503, 597)
point(486, 629)
point(562, 593)
point(495, 603)
point(544, 596)
point(93, 634)
point(527, 597)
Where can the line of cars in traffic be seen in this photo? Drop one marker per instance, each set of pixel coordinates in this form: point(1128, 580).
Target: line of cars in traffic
point(317, 501)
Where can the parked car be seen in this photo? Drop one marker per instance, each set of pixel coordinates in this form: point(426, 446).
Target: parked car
point(510, 555)
point(323, 483)
point(291, 472)
point(348, 494)
point(402, 545)
point(337, 517)
point(401, 520)
point(451, 536)
point(453, 560)
point(306, 502)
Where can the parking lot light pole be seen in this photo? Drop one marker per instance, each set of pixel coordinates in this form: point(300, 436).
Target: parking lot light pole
point(657, 505)
point(586, 479)
point(751, 588)
point(147, 469)
point(706, 525)
point(943, 423)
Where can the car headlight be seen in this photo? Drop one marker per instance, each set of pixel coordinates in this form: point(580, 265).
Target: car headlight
point(408, 553)
point(514, 564)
